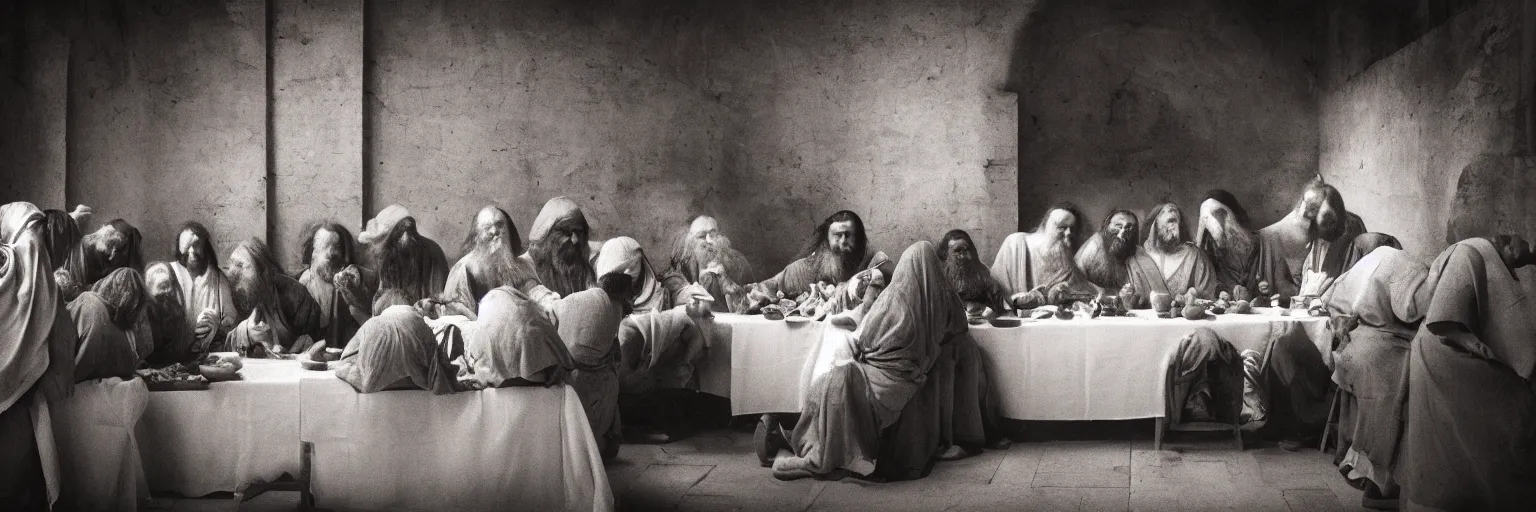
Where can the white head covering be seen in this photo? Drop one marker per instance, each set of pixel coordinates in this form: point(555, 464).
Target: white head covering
point(378, 227)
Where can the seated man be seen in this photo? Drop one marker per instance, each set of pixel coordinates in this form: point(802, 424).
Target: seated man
point(396, 350)
point(37, 358)
point(1037, 268)
point(1470, 438)
point(490, 260)
point(838, 253)
point(867, 386)
point(1316, 238)
point(660, 341)
point(113, 246)
point(1107, 257)
point(277, 310)
point(513, 343)
point(968, 276)
point(176, 339)
point(1377, 305)
point(588, 323)
point(327, 250)
point(1240, 257)
point(558, 248)
point(410, 267)
point(110, 321)
point(703, 256)
point(1171, 264)
point(205, 290)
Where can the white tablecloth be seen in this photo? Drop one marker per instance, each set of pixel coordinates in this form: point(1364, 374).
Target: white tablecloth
point(1083, 369)
point(99, 463)
point(526, 448)
point(235, 433)
point(1108, 368)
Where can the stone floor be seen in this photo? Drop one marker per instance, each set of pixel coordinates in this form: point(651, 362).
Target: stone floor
point(1090, 469)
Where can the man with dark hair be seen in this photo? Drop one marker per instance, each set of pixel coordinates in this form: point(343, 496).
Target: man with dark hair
point(175, 338)
point(327, 250)
point(1037, 268)
point(1317, 234)
point(410, 267)
point(1166, 262)
point(1240, 257)
point(703, 255)
point(559, 249)
point(1107, 257)
point(1469, 441)
point(205, 290)
point(111, 247)
point(838, 253)
point(490, 260)
point(968, 275)
point(277, 310)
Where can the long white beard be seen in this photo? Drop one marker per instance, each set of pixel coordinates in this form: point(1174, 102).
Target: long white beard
point(1053, 259)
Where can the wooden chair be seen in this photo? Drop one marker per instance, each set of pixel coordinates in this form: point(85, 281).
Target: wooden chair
point(1226, 381)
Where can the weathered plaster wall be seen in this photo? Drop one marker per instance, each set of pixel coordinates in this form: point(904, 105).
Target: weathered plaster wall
point(317, 118)
point(768, 115)
point(167, 117)
point(1127, 103)
point(34, 57)
point(1426, 143)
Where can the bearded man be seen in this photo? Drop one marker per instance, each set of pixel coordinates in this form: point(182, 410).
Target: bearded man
point(1240, 257)
point(113, 246)
point(327, 250)
point(1316, 236)
point(277, 310)
point(205, 291)
point(490, 260)
point(1106, 258)
point(1037, 268)
point(410, 267)
point(559, 249)
point(37, 358)
point(1167, 262)
point(838, 253)
point(703, 255)
point(968, 276)
point(1469, 442)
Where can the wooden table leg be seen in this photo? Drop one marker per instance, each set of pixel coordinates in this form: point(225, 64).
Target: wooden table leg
point(306, 455)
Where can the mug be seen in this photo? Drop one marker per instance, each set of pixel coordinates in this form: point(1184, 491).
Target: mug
point(1161, 302)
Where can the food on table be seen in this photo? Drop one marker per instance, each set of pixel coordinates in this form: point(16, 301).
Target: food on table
point(773, 312)
point(1064, 313)
point(220, 366)
point(1194, 312)
point(1241, 292)
point(1041, 313)
point(314, 358)
point(1006, 322)
point(176, 377)
point(1241, 307)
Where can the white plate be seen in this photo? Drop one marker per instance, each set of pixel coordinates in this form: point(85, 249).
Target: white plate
point(797, 319)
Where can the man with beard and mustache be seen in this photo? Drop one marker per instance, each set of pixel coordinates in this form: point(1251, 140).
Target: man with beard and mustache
point(327, 250)
point(1240, 257)
point(702, 255)
point(177, 339)
point(490, 261)
point(973, 421)
point(410, 267)
point(558, 248)
point(968, 275)
point(1036, 268)
point(113, 246)
point(1166, 262)
point(1316, 238)
point(205, 291)
point(838, 253)
point(1107, 257)
point(277, 310)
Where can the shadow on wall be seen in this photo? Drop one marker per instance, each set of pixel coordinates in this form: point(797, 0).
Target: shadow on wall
point(1124, 104)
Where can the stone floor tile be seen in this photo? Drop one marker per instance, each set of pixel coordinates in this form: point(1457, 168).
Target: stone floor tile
point(661, 486)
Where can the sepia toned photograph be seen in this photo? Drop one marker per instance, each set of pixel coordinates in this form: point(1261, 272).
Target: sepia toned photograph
point(767, 255)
